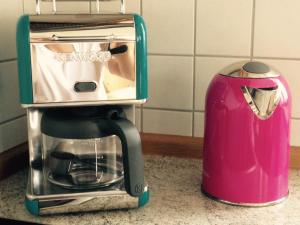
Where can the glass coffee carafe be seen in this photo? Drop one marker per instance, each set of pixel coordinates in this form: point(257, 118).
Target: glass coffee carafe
point(83, 163)
point(87, 148)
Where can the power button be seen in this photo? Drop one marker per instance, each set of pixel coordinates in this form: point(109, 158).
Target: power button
point(85, 86)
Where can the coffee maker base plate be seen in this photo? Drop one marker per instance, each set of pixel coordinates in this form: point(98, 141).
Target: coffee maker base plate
point(69, 202)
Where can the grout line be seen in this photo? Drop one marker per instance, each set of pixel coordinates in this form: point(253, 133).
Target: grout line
point(252, 31)
point(222, 56)
point(8, 60)
point(188, 110)
point(141, 7)
point(23, 7)
point(169, 54)
point(12, 119)
point(169, 109)
point(141, 119)
point(276, 58)
point(90, 5)
point(194, 94)
point(194, 67)
point(197, 55)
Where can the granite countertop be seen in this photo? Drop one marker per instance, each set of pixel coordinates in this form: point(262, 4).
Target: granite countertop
point(175, 199)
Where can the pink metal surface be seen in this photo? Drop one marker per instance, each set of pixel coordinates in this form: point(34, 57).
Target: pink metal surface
point(246, 159)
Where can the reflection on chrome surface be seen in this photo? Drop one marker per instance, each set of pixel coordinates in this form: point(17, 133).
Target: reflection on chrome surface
point(108, 67)
point(262, 101)
point(112, 27)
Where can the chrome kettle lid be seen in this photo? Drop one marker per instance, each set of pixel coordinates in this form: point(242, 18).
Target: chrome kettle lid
point(249, 69)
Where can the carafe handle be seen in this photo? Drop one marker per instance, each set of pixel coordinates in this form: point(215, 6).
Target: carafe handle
point(132, 155)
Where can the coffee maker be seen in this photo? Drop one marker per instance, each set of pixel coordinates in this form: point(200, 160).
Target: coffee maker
point(80, 77)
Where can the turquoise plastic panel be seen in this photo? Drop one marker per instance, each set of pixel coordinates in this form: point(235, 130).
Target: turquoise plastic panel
point(141, 58)
point(32, 206)
point(144, 199)
point(24, 60)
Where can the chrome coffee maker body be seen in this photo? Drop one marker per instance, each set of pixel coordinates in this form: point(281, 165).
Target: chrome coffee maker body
point(80, 77)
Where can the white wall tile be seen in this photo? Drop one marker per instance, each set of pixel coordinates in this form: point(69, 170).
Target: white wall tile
point(206, 68)
point(289, 69)
point(295, 133)
point(170, 26)
point(13, 133)
point(277, 32)
point(224, 27)
point(199, 124)
point(62, 7)
point(10, 11)
point(167, 122)
point(132, 6)
point(171, 82)
point(138, 124)
point(9, 92)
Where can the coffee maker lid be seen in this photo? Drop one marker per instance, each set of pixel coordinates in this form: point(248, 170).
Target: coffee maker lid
point(252, 69)
point(79, 122)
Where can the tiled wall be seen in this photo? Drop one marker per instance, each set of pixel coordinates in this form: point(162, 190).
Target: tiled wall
point(189, 41)
point(12, 117)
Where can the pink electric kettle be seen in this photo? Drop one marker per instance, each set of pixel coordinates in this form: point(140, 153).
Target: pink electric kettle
point(247, 130)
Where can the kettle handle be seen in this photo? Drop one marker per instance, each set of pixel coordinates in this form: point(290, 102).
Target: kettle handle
point(262, 101)
point(132, 155)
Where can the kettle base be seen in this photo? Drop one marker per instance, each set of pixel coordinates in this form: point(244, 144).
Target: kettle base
point(245, 204)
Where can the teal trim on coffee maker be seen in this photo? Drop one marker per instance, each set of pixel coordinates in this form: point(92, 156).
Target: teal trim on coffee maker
point(141, 58)
point(32, 206)
point(24, 60)
point(144, 198)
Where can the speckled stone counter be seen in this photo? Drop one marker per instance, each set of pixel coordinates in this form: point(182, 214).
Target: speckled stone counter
point(175, 199)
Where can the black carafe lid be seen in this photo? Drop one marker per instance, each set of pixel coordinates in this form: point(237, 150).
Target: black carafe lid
point(80, 122)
